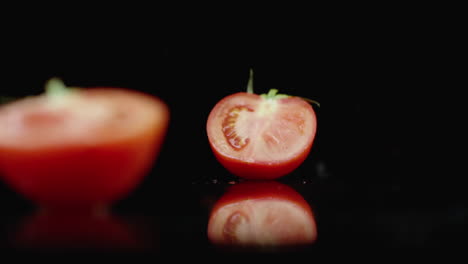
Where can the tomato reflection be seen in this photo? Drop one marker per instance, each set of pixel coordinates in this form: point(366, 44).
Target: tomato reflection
point(261, 214)
point(78, 230)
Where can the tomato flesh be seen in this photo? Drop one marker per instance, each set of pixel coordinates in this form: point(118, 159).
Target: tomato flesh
point(258, 138)
point(91, 147)
point(261, 214)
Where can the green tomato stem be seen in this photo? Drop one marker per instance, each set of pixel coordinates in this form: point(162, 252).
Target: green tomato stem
point(273, 93)
point(55, 88)
point(311, 101)
point(250, 82)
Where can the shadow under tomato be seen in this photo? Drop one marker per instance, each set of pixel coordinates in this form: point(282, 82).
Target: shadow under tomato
point(261, 215)
point(80, 230)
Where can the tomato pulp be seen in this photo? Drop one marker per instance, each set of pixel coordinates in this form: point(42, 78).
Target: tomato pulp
point(80, 147)
point(261, 136)
point(261, 213)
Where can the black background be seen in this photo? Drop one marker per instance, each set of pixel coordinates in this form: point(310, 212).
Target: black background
point(377, 174)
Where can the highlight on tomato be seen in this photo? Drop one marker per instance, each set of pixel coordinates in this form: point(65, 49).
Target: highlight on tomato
point(80, 146)
point(261, 214)
point(263, 136)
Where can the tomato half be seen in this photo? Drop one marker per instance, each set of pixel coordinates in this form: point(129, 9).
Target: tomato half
point(261, 213)
point(80, 147)
point(261, 136)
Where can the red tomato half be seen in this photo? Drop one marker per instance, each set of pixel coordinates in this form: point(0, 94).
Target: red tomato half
point(261, 137)
point(261, 214)
point(84, 147)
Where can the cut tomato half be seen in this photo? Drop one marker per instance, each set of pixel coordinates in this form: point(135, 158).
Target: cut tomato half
point(80, 147)
point(261, 136)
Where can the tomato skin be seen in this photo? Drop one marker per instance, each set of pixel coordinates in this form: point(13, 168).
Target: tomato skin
point(255, 227)
point(261, 171)
point(81, 175)
point(257, 169)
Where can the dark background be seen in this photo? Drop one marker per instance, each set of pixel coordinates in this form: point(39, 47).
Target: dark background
point(381, 171)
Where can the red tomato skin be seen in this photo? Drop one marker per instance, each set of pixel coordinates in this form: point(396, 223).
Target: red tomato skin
point(100, 174)
point(258, 170)
point(261, 171)
point(80, 175)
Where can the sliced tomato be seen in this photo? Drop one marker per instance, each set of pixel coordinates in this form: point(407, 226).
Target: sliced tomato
point(80, 147)
point(261, 136)
point(261, 213)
